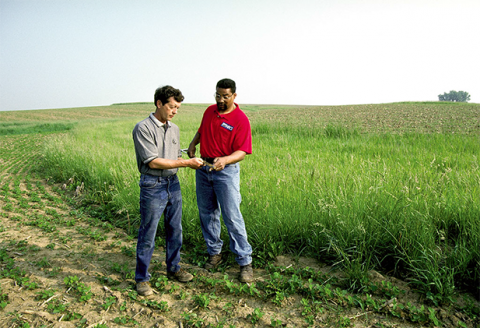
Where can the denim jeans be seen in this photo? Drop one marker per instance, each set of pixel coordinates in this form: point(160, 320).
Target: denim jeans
point(159, 195)
point(219, 192)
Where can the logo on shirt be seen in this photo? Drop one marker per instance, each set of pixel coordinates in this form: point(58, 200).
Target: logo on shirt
point(227, 126)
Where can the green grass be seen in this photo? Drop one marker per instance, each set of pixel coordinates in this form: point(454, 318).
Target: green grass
point(14, 128)
point(393, 187)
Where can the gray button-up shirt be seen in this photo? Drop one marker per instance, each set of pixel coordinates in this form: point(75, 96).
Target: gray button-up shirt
point(154, 139)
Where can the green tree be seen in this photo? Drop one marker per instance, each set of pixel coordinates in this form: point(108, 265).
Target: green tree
point(458, 96)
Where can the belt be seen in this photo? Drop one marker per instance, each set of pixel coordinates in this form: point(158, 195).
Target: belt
point(208, 159)
point(168, 177)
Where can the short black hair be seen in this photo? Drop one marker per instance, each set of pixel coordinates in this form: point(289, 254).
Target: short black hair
point(227, 84)
point(165, 92)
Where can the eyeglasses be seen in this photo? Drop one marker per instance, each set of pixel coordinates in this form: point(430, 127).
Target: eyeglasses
point(224, 97)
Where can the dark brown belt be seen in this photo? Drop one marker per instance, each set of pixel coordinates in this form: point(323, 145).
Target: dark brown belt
point(208, 159)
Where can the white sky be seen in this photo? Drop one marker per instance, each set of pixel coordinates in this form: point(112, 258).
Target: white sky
point(75, 53)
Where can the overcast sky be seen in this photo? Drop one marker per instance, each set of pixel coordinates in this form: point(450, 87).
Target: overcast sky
point(75, 53)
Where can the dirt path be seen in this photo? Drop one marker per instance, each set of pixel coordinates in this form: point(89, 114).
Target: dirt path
point(61, 268)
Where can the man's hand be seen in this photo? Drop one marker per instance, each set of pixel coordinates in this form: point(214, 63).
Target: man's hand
point(191, 151)
point(195, 163)
point(192, 147)
point(219, 163)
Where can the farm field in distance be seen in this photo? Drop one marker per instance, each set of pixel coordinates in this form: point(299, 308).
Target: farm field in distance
point(359, 216)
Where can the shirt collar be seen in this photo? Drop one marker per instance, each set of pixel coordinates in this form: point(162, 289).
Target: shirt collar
point(223, 115)
point(157, 122)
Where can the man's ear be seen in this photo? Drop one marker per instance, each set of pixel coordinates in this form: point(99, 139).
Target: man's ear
point(159, 103)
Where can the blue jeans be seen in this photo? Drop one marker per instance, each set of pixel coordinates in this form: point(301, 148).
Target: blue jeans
point(220, 192)
point(159, 196)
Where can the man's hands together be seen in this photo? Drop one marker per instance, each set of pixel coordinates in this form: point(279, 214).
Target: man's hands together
point(218, 163)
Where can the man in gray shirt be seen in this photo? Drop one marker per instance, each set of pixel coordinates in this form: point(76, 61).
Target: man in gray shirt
point(157, 149)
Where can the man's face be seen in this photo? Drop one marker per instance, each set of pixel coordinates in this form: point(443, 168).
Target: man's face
point(224, 98)
point(167, 111)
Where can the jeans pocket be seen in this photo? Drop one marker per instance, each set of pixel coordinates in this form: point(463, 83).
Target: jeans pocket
point(148, 181)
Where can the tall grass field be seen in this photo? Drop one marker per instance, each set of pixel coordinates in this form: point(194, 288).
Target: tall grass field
point(391, 187)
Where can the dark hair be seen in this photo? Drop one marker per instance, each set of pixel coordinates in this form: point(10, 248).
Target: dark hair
point(165, 92)
point(227, 84)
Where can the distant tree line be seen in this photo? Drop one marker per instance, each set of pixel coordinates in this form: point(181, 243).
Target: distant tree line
point(458, 96)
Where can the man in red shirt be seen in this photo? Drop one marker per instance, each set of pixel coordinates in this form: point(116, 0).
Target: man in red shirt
point(225, 138)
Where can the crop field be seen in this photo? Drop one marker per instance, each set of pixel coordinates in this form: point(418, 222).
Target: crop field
point(354, 213)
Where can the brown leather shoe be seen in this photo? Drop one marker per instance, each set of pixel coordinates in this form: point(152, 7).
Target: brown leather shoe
point(213, 261)
point(246, 273)
point(144, 289)
point(181, 275)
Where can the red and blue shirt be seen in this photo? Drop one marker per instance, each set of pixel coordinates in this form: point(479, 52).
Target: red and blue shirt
point(224, 134)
